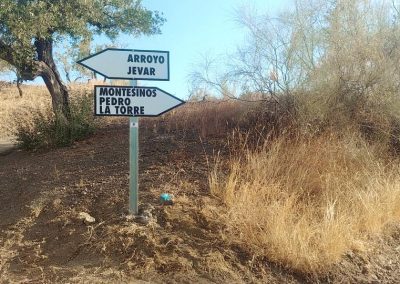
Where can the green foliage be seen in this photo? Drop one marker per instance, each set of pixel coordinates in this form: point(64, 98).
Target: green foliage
point(24, 22)
point(72, 52)
point(4, 66)
point(49, 130)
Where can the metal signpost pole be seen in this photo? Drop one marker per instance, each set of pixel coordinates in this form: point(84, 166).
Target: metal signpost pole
point(131, 64)
point(133, 161)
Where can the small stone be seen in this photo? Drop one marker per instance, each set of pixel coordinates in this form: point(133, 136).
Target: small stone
point(86, 218)
point(129, 217)
point(365, 270)
point(147, 213)
point(142, 219)
point(57, 202)
point(168, 225)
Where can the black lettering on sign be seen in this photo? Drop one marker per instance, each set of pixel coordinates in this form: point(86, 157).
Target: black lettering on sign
point(129, 110)
point(146, 59)
point(103, 92)
point(107, 110)
point(138, 110)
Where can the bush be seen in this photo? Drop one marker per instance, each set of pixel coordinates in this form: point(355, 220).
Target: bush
point(49, 130)
point(304, 203)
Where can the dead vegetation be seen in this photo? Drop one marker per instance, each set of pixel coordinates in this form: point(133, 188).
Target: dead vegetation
point(305, 203)
point(301, 186)
point(15, 109)
point(257, 198)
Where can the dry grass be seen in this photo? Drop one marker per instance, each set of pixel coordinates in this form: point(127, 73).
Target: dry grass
point(302, 202)
point(305, 203)
point(206, 118)
point(218, 118)
point(13, 107)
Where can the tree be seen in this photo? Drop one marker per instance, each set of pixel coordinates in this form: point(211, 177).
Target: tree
point(30, 28)
point(71, 52)
point(5, 67)
point(337, 54)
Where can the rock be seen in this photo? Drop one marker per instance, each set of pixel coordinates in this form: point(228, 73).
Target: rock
point(142, 219)
point(57, 202)
point(129, 218)
point(86, 218)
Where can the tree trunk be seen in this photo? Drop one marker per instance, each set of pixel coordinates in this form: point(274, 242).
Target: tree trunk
point(52, 79)
point(44, 67)
point(19, 81)
point(58, 91)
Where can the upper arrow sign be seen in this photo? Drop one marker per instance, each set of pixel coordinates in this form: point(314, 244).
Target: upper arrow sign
point(130, 64)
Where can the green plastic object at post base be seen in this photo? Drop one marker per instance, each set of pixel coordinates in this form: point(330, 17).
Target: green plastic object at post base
point(166, 199)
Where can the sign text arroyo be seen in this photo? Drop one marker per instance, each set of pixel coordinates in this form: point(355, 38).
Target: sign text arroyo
point(129, 64)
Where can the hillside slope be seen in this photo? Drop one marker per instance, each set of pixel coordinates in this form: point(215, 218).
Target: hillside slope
point(42, 239)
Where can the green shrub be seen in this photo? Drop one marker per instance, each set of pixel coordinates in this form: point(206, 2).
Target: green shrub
point(49, 130)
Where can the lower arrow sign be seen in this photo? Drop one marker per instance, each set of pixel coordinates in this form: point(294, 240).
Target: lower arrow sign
point(133, 101)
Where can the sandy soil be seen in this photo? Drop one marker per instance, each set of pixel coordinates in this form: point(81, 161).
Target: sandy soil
point(42, 239)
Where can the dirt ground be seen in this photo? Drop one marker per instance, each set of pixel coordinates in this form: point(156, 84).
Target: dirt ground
point(6, 145)
point(43, 240)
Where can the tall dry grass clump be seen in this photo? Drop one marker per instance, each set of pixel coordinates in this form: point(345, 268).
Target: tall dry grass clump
point(46, 129)
point(304, 203)
point(30, 121)
point(205, 118)
point(14, 108)
point(217, 118)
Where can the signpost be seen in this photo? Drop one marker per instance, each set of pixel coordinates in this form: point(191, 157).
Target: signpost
point(130, 64)
point(132, 101)
point(133, 161)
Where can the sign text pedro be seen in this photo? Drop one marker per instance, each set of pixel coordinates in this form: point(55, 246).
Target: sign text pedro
point(133, 101)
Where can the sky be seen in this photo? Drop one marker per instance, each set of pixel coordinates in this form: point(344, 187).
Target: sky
point(194, 29)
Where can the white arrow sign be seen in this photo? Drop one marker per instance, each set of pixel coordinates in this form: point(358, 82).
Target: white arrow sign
point(132, 64)
point(133, 101)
